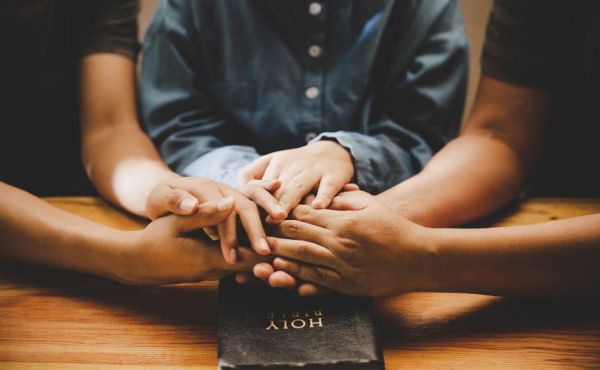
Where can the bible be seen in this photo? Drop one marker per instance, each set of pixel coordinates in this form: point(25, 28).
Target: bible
point(266, 328)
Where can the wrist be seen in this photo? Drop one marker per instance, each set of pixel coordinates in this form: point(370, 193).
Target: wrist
point(326, 146)
point(119, 250)
point(426, 275)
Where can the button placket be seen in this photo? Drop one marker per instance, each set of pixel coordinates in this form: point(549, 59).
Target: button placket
point(313, 71)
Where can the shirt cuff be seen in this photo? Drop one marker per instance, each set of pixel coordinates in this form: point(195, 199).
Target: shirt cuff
point(222, 164)
point(363, 170)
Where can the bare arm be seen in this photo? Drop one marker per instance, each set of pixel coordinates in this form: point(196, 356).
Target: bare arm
point(485, 167)
point(118, 156)
point(552, 259)
point(33, 231)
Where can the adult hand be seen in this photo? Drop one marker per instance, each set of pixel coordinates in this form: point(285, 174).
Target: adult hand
point(171, 194)
point(165, 253)
point(348, 199)
point(371, 251)
point(325, 166)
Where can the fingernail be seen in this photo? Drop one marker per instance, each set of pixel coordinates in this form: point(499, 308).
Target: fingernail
point(263, 246)
point(224, 204)
point(188, 204)
point(233, 255)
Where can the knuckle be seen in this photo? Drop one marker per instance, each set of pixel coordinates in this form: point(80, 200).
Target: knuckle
point(329, 185)
point(247, 206)
point(321, 275)
point(301, 251)
point(302, 213)
point(173, 199)
point(248, 191)
point(290, 229)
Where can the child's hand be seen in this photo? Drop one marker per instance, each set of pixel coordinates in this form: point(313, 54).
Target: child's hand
point(170, 194)
point(324, 166)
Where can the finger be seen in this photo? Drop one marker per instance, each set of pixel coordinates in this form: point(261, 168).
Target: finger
point(346, 202)
point(268, 185)
point(302, 251)
point(297, 230)
point(208, 214)
point(273, 171)
point(247, 259)
point(297, 188)
point(308, 199)
point(263, 270)
point(350, 187)
point(328, 188)
point(228, 238)
point(265, 200)
point(204, 191)
point(310, 289)
point(281, 279)
point(250, 218)
point(246, 278)
point(242, 277)
point(315, 274)
point(169, 200)
point(255, 170)
point(325, 218)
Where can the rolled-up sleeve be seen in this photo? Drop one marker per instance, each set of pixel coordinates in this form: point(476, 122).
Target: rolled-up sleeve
point(110, 27)
point(420, 112)
point(521, 42)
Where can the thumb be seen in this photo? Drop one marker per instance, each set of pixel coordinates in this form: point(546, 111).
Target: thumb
point(167, 200)
point(208, 214)
point(346, 203)
point(254, 170)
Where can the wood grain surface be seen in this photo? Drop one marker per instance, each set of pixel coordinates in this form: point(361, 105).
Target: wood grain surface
point(52, 319)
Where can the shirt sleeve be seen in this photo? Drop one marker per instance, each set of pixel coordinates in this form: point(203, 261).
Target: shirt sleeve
point(521, 41)
point(110, 26)
point(177, 111)
point(420, 104)
point(222, 164)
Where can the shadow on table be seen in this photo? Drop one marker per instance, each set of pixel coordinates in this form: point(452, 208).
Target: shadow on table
point(444, 316)
point(416, 317)
point(189, 305)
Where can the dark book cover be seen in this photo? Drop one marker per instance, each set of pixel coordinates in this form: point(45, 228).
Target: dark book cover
point(265, 328)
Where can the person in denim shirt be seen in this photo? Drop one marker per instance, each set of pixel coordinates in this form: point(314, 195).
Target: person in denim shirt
point(313, 95)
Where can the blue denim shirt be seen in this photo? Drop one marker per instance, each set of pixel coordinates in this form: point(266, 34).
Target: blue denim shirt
point(225, 81)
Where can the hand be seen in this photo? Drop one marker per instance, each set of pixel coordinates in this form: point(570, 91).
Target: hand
point(348, 199)
point(169, 195)
point(164, 253)
point(372, 251)
point(324, 165)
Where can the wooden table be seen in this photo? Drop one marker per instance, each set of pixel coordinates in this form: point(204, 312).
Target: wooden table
point(65, 320)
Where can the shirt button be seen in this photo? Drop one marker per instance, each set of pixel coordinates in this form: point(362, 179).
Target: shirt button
point(314, 51)
point(309, 136)
point(312, 92)
point(315, 8)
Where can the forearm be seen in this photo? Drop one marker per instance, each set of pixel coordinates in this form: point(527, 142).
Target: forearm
point(33, 231)
point(553, 259)
point(124, 165)
point(470, 177)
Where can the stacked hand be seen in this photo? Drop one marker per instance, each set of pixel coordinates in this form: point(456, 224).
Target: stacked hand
point(163, 253)
point(324, 167)
point(361, 248)
point(276, 183)
point(182, 195)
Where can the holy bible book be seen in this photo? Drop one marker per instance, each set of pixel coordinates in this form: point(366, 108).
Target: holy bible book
point(265, 328)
